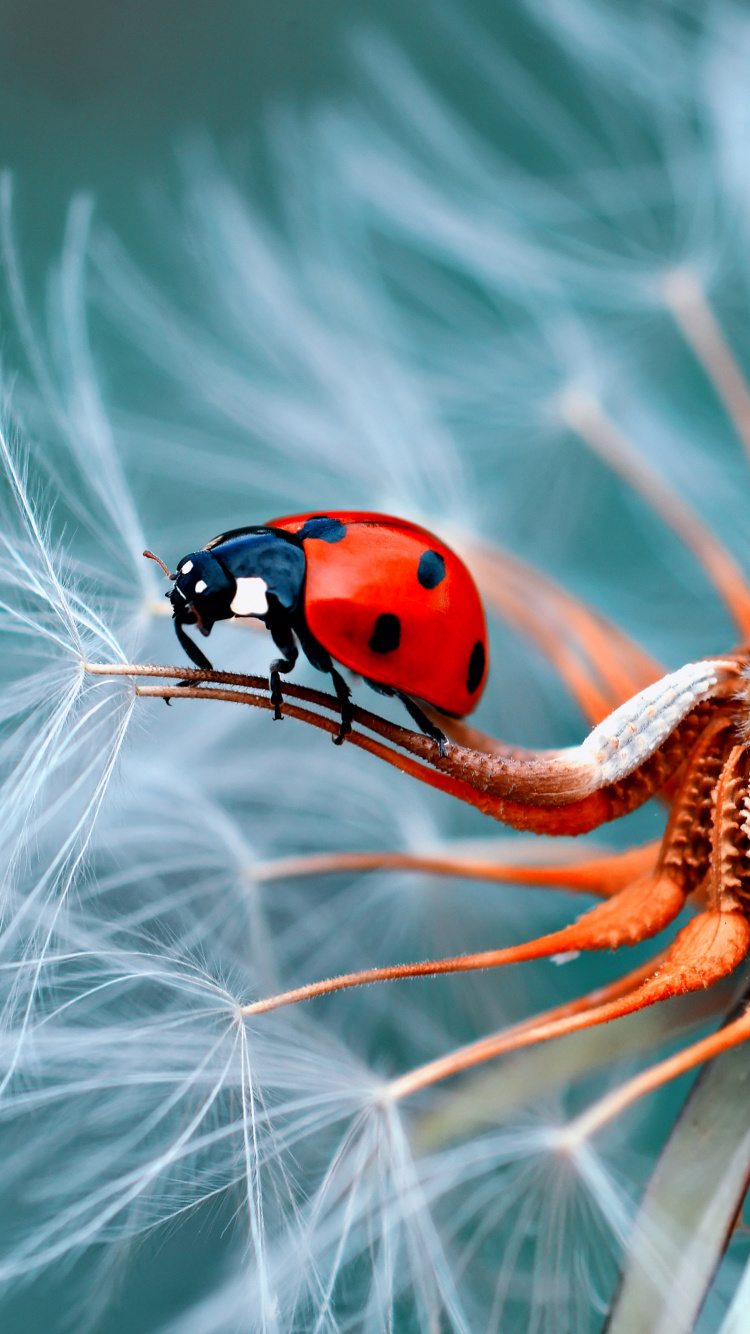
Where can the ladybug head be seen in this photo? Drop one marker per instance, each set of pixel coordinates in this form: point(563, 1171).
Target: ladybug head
point(202, 595)
point(202, 592)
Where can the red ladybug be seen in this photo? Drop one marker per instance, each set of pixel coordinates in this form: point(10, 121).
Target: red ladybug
point(385, 598)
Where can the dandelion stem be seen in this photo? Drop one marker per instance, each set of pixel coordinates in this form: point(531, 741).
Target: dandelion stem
point(584, 415)
point(517, 813)
point(687, 302)
point(568, 792)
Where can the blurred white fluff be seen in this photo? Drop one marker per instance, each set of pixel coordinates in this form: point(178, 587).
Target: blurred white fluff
point(412, 1239)
point(62, 730)
point(401, 341)
point(59, 403)
point(301, 356)
point(572, 263)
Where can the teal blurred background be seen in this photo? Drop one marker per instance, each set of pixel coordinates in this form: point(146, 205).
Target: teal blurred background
point(100, 97)
point(96, 96)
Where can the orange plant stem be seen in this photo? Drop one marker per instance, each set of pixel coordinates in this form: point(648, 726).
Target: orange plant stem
point(707, 949)
point(596, 875)
point(638, 911)
point(607, 1108)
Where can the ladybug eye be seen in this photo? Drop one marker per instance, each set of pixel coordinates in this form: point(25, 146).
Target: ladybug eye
point(201, 586)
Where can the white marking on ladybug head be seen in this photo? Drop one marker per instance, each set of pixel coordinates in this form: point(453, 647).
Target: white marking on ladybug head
point(250, 598)
point(201, 586)
point(187, 567)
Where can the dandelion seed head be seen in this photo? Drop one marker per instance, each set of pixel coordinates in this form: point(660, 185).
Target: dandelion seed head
point(424, 330)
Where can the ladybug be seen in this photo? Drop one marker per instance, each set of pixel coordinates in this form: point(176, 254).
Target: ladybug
point(376, 594)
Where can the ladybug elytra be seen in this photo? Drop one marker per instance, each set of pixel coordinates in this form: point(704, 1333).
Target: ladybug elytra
point(373, 593)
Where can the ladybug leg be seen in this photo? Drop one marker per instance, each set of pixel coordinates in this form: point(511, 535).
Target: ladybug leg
point(279, 665)
point(344, 696)
point(424, 724)
point(194, 653)
point(321, 661)
point(283, 638)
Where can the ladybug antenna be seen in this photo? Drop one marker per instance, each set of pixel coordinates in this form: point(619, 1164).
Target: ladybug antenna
point(151, 556)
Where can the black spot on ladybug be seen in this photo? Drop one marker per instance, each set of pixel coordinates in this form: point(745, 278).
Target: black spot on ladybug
point(387, 633)
point(476, 667)
point(320, 526)
point(431, 569)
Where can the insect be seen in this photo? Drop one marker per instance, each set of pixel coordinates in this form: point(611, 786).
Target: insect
point(378, 595)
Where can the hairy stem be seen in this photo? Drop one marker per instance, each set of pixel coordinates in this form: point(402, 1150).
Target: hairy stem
point(707, 949)
point(610, 1106)
point(617, 768)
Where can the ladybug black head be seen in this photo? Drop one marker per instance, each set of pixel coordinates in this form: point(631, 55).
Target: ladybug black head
point(202, 595)
point(202, 592)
